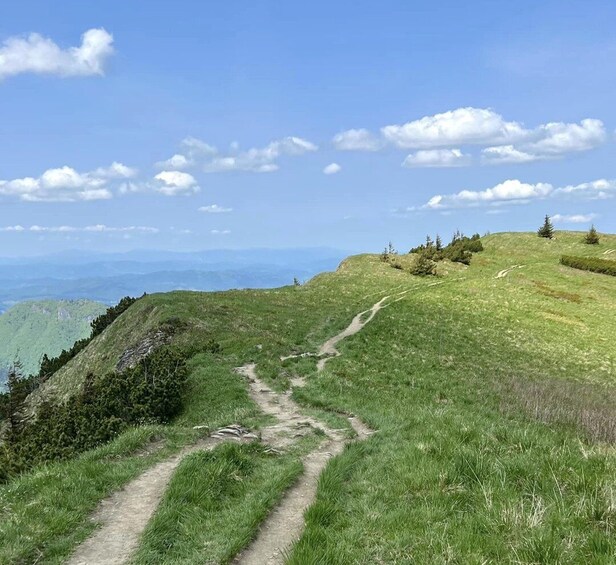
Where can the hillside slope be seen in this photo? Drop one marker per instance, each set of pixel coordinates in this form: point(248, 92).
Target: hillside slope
point(31, 329)
point(491, 389)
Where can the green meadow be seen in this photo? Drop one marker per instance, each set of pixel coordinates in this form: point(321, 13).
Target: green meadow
point(492, 399)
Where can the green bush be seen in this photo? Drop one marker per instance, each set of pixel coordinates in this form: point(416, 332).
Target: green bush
point(424, 266)
point(150, 392)
point(594, 264)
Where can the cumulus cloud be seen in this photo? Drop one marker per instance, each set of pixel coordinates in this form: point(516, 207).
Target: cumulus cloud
point(174, 183)
point(260, 160)
point(115, 171)
point(572, 218)
point(215, 209)
point(456, 127)
point(508, 191)
point(550, 141)
point(356, 140)
point(98, 228)
point(437, 158)
point(40, 55)
point(557, 138)
point(177, 162)
point(504, 154)
point(597, 189)
point(504, 141)
point(332, 169)
point(514, 191)
point(65, 184)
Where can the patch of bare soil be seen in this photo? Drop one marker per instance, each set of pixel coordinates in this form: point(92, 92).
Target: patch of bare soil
point(502, 274)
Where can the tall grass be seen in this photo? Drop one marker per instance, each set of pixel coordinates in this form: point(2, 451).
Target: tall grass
point(588, 407)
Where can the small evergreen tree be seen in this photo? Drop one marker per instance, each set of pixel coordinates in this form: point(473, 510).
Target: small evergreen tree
point(592, 237)
point(439, 243)
point(424, 265)
point(547, 229)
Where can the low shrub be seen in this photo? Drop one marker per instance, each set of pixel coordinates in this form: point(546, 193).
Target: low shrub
point(594, 264)
point(424, 265)
point(150, 392)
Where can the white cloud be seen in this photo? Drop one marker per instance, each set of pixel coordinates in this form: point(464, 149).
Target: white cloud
point(549, 141)
point(174, 183)
point(215, 209)
point(572, 218)
point(437, 158)
point(98, 228)
point(514, 191)
point(65, 184)
point(220, 232)
point(332, 169)
point(504, 154)
point(260, 160)
point(558, 138)
point(505, 141)
point(456, 127)
point(176, 162)
point(509, 191)
point(115, 171)
point(356, 140)
point(40, 55)
point(193, 150)
point(598, 189)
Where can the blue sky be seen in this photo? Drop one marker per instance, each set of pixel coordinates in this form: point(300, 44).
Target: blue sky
point(193, 125)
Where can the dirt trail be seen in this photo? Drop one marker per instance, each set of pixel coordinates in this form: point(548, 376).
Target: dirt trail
point(328, 349)
point(285, 523)
point(502, 274)
point(125, 514)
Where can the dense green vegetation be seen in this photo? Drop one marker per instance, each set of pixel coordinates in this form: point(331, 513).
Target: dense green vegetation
point(31, 329)
point(149, 393)
point(594, 264)
point(464, 376)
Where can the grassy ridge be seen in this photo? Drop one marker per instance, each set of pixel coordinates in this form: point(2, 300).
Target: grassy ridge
point(461, 470)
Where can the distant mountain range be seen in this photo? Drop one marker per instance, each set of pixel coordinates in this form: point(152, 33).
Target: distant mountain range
point(107, 277)
point(31, 329)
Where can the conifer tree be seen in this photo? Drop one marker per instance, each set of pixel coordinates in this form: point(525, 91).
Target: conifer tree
point(592, 237)
point(439, 243)
point(547, 229)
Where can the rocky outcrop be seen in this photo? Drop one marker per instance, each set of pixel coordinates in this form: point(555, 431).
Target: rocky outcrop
point(147, 345)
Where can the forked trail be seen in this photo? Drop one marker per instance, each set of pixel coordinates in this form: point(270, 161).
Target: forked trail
point(285, 523)
point(125, 515)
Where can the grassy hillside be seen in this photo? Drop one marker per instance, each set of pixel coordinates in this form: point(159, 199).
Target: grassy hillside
point(30, 329)
point(492, 392)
